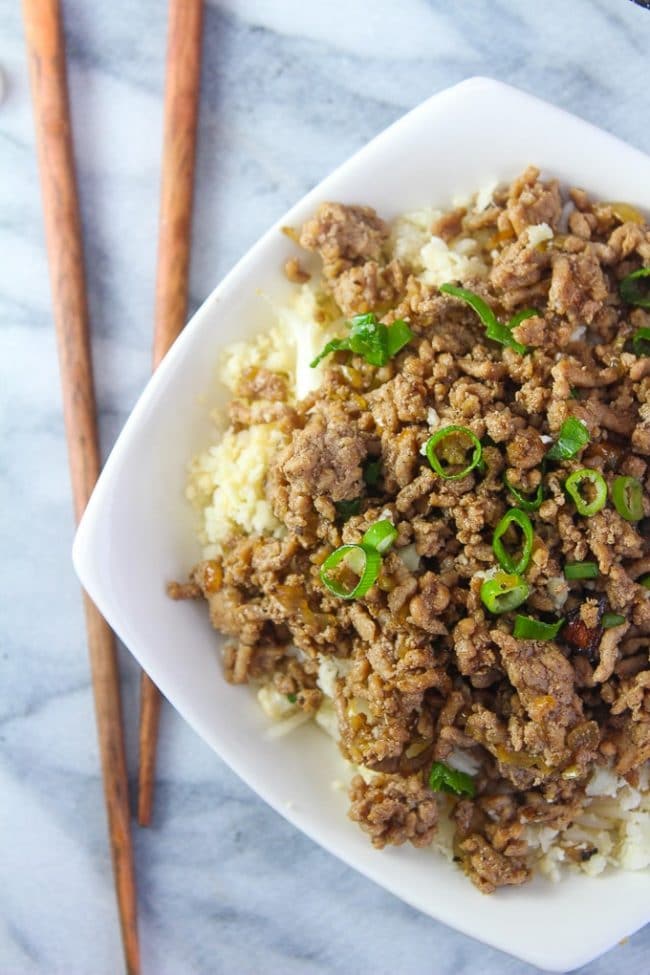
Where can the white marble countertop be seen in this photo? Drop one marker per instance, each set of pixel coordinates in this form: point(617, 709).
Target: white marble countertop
point(290, 89)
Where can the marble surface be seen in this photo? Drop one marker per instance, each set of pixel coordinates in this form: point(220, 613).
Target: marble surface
point(290, 89)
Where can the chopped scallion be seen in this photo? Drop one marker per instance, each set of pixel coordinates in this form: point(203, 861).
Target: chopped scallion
point(641, 341)
point(575, 487)
point(380, 536)
point(627, 495)
point(370, 338)
point(443, 778)
point(581, 570)
point(452, 444)
point(345, 509)
point(527, 628)
point(372, 472)
point(635, 288)
point(526, 502)
point(572, 438)
point(503, 592)
point(359, 563)
point(494, 329)
point(512, 564)
point(612, 619)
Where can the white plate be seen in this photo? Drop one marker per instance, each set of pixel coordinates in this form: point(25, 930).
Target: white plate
point(137, 532)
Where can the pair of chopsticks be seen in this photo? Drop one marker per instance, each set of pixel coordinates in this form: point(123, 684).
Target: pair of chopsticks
point(47, 64)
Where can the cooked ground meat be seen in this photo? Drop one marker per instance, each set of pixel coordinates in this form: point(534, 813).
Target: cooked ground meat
point(427, 670)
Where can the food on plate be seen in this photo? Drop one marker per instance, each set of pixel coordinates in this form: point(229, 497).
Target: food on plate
point(425, 525)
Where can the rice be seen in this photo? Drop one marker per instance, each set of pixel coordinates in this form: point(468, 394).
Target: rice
point(226, 481)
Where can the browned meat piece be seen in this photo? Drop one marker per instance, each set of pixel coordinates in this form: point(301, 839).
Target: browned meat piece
point(295, 272)
point(487, 868)
point(526, 449)
point(641, 432)
point(476, 652)
point(394, 810)
point(611, 539)
point(184, 590)
point(578, 287)
point(427, 607)
point(401, 400)
point(260, 383)
point(545, 683)
point(344, 235)
point(325, 459)
point(368, 287)
point(519, 266)
point(532, 202)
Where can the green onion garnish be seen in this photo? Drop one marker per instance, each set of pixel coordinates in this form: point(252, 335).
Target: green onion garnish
point(449, 441)
point(574, 486)
point(345, 509)
point(504, 592)
point(373, 340)
point(292, 698)
point(526, 503)
point(611, 619)
point(398, 334)
point(443, 778)
point(527, 628)
point(645, 581)
point(635, 288)
point(372, 472)
point(359, 561)
point(493, 328)
point(513, 517)
point(581, 570)
point(380, 536)
point(573, 437)
point(641, 341)
point(627, 495)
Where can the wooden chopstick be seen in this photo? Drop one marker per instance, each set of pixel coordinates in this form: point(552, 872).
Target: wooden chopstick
point(174, 238)
point(46, 51)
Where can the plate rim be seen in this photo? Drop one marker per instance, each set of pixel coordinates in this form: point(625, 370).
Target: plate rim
point(84, 555)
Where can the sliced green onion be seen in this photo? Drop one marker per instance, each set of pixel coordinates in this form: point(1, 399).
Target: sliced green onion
point(373, 340)
point(635, 288)
point(513, 517)
point(345, 509)
point(360, 560)
point(581, 570)
point(399, 335)
point(493, 328)
point(292, 698)
point(645, 581)
point(443, 778)
point(380, 536)
point(573, 437)
point(526, 503)
point(454, 454)
point(335, 345)
point(504, 592)
point(573, 487)
point(641, 341)
point(611, 619)
point(527, 628)
point(627, 495)
point(372, 472)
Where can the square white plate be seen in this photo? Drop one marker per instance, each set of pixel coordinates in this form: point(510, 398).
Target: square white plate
point(137, 532)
